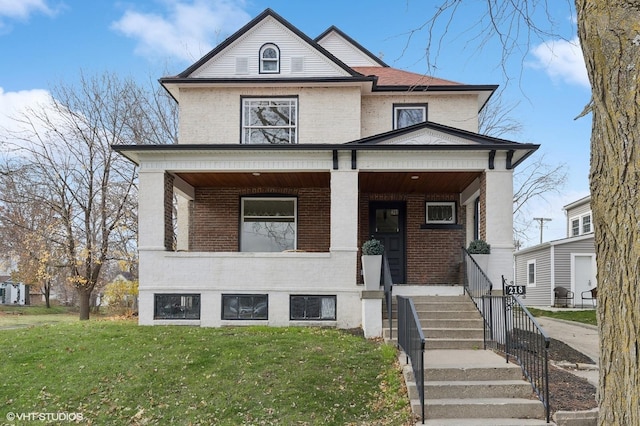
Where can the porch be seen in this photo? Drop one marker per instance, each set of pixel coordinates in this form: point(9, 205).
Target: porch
point(280, 223)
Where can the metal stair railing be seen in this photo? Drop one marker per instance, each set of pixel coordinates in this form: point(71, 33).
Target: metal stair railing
point(510, 328)
point(387, 283)
point(411, 340)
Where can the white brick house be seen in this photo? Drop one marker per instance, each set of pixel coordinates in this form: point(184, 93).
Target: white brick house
point(292, 152)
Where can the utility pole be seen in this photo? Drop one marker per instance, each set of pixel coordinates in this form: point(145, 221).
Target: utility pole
point(542, 220)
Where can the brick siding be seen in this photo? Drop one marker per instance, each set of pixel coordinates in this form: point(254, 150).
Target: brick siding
point(433, 256)
point(215, 219)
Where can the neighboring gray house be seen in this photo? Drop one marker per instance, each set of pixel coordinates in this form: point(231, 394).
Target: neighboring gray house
point(568, 263)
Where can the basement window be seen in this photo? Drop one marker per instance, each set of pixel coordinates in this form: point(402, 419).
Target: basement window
point(321, 308)
point(177, 306)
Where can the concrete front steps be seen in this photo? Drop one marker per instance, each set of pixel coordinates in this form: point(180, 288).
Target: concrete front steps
point(465, 384)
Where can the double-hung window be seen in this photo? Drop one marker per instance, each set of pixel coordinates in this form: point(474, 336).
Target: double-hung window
point(405, 115)
point(268, 224)
point(269, 120)
point(581, 225)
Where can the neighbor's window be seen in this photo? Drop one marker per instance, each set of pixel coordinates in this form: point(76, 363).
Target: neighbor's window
point(269, 59)
point(531, 273)
point(269, 120)
point(177, 306)
point(268, 224)
point(575, 227)
point(441, 212)
point(581, 225)
point(313, 308)
point(408, 114)
point(586, 224)
point(245, 306)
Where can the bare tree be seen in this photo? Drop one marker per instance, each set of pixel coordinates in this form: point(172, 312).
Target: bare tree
point(533, 181)
point(88, 189)
point(610, 41)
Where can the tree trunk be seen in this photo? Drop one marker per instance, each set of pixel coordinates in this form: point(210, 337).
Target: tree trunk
point(609, 32)
point(85, 299)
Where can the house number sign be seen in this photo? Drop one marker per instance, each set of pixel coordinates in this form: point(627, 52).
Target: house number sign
point(515, 290)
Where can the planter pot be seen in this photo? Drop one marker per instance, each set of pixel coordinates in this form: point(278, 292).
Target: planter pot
point(482, 260)
point(371, 269)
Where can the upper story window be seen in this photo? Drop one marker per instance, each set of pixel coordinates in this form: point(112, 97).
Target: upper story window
point(269, 120)
point(580, 225)
point(269, 59)
point(408, 114)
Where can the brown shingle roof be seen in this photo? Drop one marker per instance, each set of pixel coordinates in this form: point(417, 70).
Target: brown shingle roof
point(388, 76)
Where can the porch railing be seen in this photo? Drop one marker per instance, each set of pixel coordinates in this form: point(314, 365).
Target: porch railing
point(412, 341)
point(387, 283)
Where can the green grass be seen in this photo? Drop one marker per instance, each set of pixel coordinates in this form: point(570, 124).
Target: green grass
point(24, 316)
point(586, 316)
point(116, 372)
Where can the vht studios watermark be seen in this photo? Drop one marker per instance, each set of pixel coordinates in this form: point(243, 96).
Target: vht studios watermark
point(45, 417)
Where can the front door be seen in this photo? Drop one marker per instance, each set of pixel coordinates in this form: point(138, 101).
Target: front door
point(387, 224)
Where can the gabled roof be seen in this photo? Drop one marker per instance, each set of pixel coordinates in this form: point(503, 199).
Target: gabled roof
point(333, 30)
point(254, 22)
point(376, 77)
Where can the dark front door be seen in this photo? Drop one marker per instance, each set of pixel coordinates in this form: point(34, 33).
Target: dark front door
point(387, 224)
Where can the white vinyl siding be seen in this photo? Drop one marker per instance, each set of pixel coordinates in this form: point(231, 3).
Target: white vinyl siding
point(290, 45)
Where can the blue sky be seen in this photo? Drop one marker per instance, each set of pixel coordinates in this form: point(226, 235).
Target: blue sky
point(45, 42)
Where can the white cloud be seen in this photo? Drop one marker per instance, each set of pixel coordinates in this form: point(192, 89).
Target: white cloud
point(12, 104)
point(22, 9)
point(562, 60)
point(186, 31)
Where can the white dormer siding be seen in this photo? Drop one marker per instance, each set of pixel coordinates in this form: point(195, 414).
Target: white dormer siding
point(294, 52)
point(346, 51)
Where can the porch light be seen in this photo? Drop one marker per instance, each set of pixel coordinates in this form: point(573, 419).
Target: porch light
point(415, 177)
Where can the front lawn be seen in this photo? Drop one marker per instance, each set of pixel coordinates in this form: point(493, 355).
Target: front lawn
point(12, 316)
point(587, 316)
point(116, 372)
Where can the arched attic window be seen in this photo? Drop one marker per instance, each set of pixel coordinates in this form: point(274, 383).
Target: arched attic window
point(269, 59)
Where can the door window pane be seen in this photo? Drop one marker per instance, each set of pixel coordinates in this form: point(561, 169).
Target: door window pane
point(387, 221)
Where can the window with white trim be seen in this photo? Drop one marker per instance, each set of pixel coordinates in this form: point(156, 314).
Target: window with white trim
point(312, 308)
point(269, 59)
point(405, 115)
point(531, 273)
point(581, 225)
point(268, 224)
point(441, 212)
point(269, 120)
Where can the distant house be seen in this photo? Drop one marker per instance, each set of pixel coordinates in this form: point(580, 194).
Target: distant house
point(569, 262)
point(293, 151)
point(12, 293)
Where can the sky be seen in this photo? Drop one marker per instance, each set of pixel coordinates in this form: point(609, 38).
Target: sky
point(44, 43)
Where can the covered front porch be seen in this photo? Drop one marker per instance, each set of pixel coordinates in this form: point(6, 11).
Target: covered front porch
point(277, 223)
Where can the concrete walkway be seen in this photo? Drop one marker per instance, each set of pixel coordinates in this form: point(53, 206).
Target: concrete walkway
point(581, 337)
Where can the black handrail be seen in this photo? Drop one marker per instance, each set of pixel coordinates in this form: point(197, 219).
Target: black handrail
point(387, 283)
point(476, 283)
point(412, 341)
point(510, 328)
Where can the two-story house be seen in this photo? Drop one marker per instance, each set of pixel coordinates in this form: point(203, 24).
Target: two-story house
point(569, 262)
point(292, 152)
